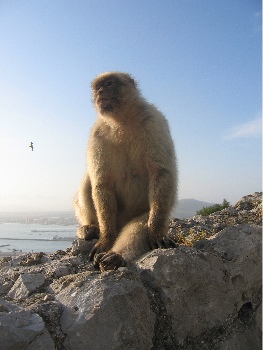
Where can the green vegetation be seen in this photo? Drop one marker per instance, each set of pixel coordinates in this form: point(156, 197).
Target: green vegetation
point(213, 208)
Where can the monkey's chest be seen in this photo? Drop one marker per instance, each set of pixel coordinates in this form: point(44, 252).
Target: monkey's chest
point(121, 162)
point(131, 186)
point(129, 165)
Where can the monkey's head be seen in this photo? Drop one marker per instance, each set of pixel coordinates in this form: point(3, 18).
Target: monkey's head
point(112, 91)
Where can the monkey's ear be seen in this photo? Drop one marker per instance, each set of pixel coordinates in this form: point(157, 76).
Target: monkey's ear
point(133, 82)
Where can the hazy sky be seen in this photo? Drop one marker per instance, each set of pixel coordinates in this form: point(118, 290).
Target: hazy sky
point(199, 61)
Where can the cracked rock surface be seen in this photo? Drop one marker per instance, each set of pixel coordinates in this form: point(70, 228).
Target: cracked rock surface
point(203, 297)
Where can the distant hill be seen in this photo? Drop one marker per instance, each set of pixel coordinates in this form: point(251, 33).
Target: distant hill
point(187, 208)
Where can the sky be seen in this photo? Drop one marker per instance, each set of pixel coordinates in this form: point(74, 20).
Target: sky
point(198, 61)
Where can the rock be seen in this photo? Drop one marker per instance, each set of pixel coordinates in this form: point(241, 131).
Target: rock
point(26, 284)
point(249, 202)
point(50, 311)
point(170, 273)
point(80, 246)
point(117, 302)
point(203, 287)
point(247, 210)
point(42, 342)
point(21, 329)
point(206, 294)
point(240, 249)
point(33, 259)
point(6, 284)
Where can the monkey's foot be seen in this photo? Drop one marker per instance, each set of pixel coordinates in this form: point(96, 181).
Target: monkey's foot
point(88, 232)
point(102, 246)
point(164, 243)
point(109, 261)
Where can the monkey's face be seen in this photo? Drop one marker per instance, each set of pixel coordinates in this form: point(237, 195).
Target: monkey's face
point(109, 91)
point(107, 95)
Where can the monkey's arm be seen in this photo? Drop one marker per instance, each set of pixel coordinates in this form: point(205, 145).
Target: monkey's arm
point(106, 207)
point(99, 158)
point(162, 186)
point(161, 201)
point(85, 211)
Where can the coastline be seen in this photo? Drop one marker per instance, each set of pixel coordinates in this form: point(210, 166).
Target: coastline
point(12, 254)
point(18, 239)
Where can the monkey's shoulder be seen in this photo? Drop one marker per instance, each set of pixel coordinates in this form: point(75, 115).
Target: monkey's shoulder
point(153, 117)
point(156, 129)
point(99, 130)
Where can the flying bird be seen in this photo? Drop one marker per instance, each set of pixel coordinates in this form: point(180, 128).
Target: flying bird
point(31, 145)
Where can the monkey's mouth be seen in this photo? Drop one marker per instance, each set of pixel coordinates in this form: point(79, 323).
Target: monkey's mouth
point(103, 99)
point(103, 102)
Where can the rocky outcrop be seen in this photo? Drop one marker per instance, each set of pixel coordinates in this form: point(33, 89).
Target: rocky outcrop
point(207, 296)
point(247, 210)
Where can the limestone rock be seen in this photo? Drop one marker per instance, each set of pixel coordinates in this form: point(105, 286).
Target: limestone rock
point(26, 284)
point(21, 329)
point(247, 210)
point(240, 249)
point(204, 287)
point(207, 296)
point(112, 310)
point(80, 246)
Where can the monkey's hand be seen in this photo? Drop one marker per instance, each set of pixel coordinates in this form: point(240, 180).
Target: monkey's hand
point(109, 261)
point(102, 246)
point(88, 232)
point(164, 242)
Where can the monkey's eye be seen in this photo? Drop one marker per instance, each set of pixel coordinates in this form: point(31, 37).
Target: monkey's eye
point(109, 83)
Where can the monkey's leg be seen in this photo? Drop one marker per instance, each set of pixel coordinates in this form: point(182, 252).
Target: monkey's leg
point(131, 243)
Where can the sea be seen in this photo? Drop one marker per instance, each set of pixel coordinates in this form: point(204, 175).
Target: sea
point(16, 238)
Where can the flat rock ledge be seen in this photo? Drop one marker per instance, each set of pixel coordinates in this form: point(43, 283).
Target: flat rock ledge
point(203, 297)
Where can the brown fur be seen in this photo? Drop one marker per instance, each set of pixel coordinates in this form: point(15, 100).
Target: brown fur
point(130, 185)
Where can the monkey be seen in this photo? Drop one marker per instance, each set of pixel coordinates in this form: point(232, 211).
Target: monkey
point(130, 186)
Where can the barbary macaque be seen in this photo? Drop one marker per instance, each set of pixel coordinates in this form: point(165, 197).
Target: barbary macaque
point(130, 185)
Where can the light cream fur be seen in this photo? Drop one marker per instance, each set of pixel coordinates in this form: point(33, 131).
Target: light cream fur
point(130, 184)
